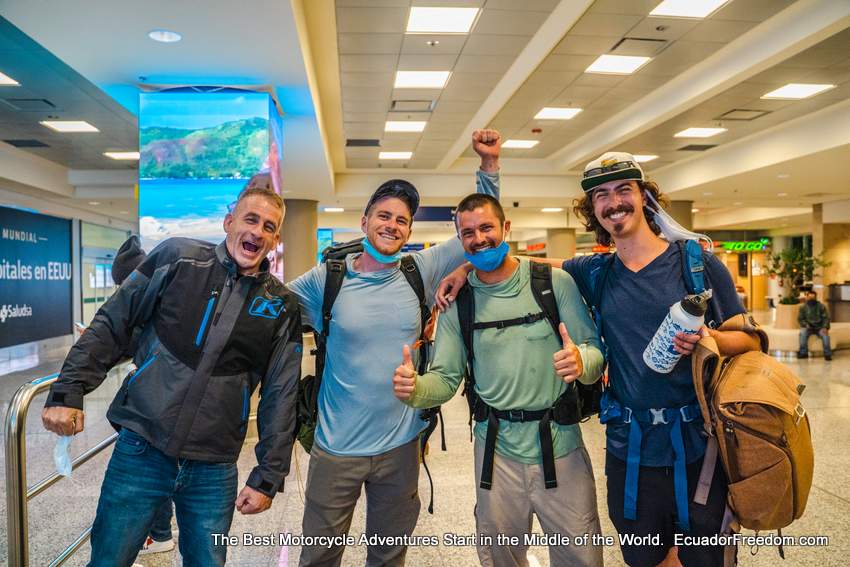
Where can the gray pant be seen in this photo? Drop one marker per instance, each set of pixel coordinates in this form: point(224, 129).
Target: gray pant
point(392, 502)
point(518, 492)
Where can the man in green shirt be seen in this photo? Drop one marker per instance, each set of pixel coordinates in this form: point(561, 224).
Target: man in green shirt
point(814, 320)
point(521, 367)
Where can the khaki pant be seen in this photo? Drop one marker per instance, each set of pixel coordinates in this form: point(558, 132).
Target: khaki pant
point(392, 502)
point(518, 492)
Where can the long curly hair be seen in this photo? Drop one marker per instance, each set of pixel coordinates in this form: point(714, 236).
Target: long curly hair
point(583, 209)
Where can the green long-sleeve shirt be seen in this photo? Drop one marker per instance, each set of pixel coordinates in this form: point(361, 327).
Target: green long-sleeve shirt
point(513, 366)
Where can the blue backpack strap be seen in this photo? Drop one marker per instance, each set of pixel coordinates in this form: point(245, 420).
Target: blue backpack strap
point(693, 268)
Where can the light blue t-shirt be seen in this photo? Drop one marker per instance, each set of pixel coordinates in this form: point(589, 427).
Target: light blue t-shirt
point(373, 317)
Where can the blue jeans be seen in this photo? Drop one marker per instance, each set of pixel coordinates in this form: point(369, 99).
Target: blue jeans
point(138, 481)
point(804, 341)
point(161, 527)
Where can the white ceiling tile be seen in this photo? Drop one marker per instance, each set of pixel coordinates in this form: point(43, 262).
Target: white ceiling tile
point(815, 58)
point(468, 94)
point(364, 106)
point(604, 24)
point(631, 7)
point(597, 80)
point(367, 79)
point(778, 76)
point(373, 3)
point(444, 131)
point(426, 62)
point(398, 144)
point(364, 116)
point(362, 163)
point(483, 63)
point(358, 152)
point(578, 95)
point(487, 44)
point(449, 3)
point(751, 10)
point(559, 78)
point(526, 5)
point(454, 106)
point(722, 31)
point(509, 22)
point(367, 63)
point(566, 63)
point(369, 44)
point(416, 116)
point(673, 28)
point(574, 44)
point(367, 93)
point(447, 44)
point(363, 129)
point(371, 20)
point(417, 94)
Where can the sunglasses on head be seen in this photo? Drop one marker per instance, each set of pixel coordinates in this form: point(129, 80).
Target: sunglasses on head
point(608, 169)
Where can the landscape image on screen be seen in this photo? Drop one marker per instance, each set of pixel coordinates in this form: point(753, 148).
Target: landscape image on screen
point(197, 152)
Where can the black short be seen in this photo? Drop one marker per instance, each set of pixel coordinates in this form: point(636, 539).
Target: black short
point(656, 513)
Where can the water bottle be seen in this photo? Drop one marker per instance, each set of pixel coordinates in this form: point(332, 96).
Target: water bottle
point(686, 316)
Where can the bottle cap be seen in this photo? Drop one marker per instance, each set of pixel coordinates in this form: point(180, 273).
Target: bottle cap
point(695, 305)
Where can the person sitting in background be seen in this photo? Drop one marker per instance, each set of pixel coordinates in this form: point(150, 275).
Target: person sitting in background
point(814, 320)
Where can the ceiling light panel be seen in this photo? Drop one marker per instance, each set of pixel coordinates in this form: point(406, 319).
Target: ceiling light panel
point(699, 132)
point(617, 64)
point(441, 20)
point(421, 79)
point(796, 91)
point(7, 81)
point(520, 144)
point(687, 8)
point(551, 209)
point(404, 126)
point(395, 155)
point(164, 36)
point(643, 158)
point(557, 113)
point(130, 156)
point(68, 126)
point(334, 210)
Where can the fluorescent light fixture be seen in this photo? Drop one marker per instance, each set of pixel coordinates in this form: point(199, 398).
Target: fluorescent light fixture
point(556, 113)
point(164, 36)
point(796, 91)
point(66, 126)
point(643, 158)
point(551, 209)
point(334, 210)
point(782, 194)
point(421, 79)
point(699, 132)
point(617, 64)
point(130, 156)
point(783, 176)
point(395, 155)
point(7, 81)
point(441, 20)
point(520, 144)
point(687, 8)
point(694, 210)
point(404, 126)
point(94, 203)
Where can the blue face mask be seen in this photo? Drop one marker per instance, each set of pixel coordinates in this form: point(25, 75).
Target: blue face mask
point(490, 259)
point(382, 258)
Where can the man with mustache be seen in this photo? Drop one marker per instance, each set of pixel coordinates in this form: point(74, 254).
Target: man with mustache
point(654, 428)
point(364, 436)
point(212, 325)
point(523, 382)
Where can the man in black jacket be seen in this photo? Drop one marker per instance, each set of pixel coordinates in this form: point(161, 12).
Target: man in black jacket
point(814, 320)
point(214, 325)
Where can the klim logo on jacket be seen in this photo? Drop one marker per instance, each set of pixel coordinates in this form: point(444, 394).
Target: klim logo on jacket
point(268, 308)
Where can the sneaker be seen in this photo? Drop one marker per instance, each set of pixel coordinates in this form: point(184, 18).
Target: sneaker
point(802, 355)
point(827, 357)
point(153, 546)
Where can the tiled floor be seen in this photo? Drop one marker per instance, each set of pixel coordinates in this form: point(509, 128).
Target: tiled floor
point(58, 515)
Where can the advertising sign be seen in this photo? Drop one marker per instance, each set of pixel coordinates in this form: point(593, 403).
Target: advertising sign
point(35, 277)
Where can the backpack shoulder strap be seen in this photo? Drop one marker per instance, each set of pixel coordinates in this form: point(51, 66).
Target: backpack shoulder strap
point(465, 301)
point(333, 283)
point(541, 288)
point(693, 267)
point(414, 278)
point(600, 265)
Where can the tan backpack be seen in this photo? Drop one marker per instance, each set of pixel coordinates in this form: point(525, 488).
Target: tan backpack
point(756, 423)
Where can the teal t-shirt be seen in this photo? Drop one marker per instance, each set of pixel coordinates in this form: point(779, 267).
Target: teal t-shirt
point(513, 366)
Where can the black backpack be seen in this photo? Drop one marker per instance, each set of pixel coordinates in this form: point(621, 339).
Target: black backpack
point(578, 402)
point(308, 387)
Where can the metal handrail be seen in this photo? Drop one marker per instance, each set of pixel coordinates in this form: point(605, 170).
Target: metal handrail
point(18, 494)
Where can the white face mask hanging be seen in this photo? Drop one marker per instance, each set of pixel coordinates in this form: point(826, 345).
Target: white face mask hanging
point(671, 229)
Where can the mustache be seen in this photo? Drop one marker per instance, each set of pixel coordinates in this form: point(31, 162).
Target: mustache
point(623, 208)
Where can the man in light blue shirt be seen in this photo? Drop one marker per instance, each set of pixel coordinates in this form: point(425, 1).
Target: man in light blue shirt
point(364, 434)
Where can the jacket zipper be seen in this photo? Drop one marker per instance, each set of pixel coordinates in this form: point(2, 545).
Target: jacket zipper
point(143, 367)
point(729, 429)
point(245, 404)
point(210, 305)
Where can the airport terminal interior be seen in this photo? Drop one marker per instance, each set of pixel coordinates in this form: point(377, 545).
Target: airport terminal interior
point(148, 119)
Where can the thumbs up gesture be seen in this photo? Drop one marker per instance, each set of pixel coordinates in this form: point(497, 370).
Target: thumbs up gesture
point(404, 379)
point(567, 361)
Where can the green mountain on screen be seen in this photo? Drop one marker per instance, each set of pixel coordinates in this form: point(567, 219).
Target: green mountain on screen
point(234, 149)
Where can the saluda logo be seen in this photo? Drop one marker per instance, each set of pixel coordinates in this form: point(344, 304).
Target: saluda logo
point(268, 308)
point(13, 311)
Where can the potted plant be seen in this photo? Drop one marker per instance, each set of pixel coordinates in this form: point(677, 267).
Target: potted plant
point(794, 267)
